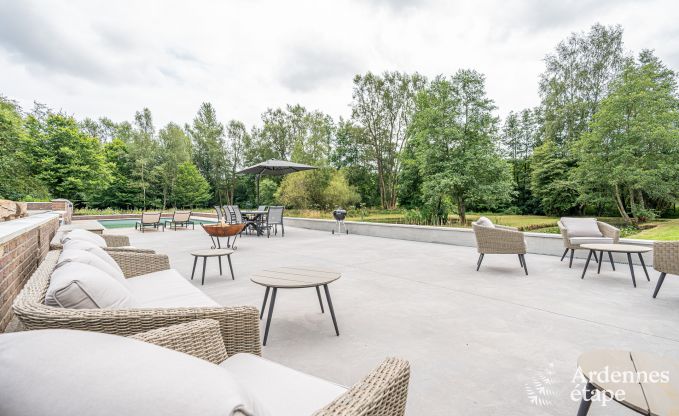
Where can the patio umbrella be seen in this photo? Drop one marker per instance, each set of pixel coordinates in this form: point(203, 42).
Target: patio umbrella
point(274, 168)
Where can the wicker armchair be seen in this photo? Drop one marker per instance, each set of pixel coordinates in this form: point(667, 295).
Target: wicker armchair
point(665, 260)
point(239, 325)
point(113, 243)
point(607, 230)
point(383, 392)
point(498, 239)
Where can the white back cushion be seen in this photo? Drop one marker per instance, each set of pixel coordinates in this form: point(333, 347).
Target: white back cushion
point(84, 235)
point(65, 372)
point(81, 286)
point(581, 227)
point(485, 222)
point(87, 257)
point(92, 248)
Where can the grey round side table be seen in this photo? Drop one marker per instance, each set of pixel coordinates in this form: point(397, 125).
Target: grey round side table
point(295, 278)
point(219, 253)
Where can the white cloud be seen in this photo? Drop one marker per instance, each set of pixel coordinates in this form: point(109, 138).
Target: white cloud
point(112, 58)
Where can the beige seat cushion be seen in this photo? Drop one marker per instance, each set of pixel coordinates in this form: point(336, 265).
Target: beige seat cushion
point(87, 257)
point(166, 289)
point(485, 222)
point(284, 391)
point(92, 248)
point(581, 227)
point(590, 240)
point(57, 372)
point(81, 286)
point(84, 235)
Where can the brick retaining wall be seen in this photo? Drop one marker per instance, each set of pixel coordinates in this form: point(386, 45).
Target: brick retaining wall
point(23, 245)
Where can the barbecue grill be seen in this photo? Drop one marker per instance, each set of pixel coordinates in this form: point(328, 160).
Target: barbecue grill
point(340, 214)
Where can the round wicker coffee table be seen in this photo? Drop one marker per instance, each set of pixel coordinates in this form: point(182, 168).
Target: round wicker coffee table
point(295, 278)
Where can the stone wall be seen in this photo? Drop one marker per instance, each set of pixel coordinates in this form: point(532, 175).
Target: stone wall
point(23, 245)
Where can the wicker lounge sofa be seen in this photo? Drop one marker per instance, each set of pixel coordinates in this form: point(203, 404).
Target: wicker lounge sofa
point(498, 239)
point(112, 243)
point(577, 231)
point(228, 384)
point(665, 260)
point(166, 298)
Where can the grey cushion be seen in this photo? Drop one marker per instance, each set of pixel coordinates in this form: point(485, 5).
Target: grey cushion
point(92, 248)
point(57, 372)
point(284, 391)
point(166, 289)
point(590, 240)
point(485, 222)
point(84, 235)
point(81, 286)
point(87, 257)
point(581, 227)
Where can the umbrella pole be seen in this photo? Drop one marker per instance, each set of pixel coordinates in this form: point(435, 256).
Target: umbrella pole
point(258, 177)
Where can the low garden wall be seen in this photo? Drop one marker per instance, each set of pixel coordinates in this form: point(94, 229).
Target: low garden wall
point(537, 243)
point(23, 245)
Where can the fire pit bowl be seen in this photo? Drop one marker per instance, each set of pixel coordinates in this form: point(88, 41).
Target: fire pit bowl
point(215, 231)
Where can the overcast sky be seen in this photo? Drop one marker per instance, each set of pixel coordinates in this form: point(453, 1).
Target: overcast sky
point(110, 58)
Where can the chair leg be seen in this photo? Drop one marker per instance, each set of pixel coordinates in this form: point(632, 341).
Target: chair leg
point(523, 260)
point(661, 279)
point(478, 263)
point(564, 254)
point(570, 264)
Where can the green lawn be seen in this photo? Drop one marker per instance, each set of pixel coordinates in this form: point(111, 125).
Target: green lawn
point(666, 230)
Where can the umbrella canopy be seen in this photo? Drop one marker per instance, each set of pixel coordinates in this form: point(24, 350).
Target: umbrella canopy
point(273, 167)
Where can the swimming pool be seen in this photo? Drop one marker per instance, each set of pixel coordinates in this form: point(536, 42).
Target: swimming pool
point(129, 222)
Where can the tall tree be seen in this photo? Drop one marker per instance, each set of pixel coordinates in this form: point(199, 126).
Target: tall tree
point(237, 137)
point(577, 77)
point(191, 188)
point(383, 106)
point(175, 149)
point(143, 149)
point(69, 162)
point(209, 150)
point(520, 133)
point(632, 150)
point(455, 135)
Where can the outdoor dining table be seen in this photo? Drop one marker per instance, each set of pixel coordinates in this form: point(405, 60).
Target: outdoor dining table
point(254, 218)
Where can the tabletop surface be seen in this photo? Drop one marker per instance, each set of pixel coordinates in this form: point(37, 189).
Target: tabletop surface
point(253, 211)
point(619, 248)
point(645, 390)
point(293, 277)
point(212, 252)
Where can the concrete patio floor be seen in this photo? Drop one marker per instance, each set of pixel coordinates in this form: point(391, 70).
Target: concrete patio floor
point(493, 342)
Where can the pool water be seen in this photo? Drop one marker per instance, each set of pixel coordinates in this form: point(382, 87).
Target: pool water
point(129, 223)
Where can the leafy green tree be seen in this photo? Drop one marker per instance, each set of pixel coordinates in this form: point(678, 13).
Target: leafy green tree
point(577, 77)
point(456, 145)
point(551, 181)
point(175, 149)
point(122, 191)
point(238, 138)
point(209, 150)
point(267, 191)
point(191, 188)
point(338, 192)
point(632, 151)
point(18, 181)
point(142, 146)
point(70, 163)
point(383, 107)
point(520, 133)
point(347, 155)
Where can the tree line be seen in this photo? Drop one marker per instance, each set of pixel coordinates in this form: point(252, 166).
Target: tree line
point(603, 140)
